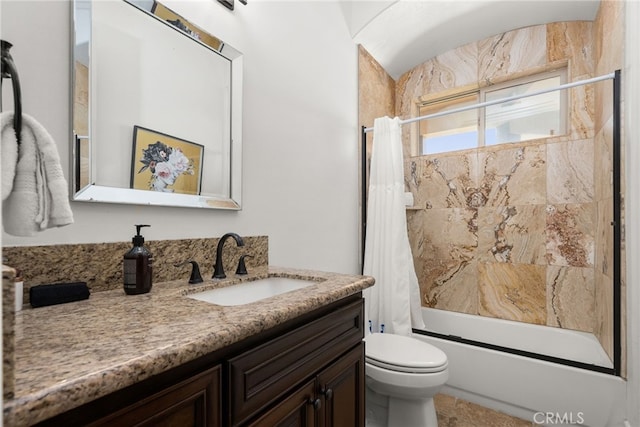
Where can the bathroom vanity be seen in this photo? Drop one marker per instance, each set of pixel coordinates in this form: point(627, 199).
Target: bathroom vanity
point(166, 359)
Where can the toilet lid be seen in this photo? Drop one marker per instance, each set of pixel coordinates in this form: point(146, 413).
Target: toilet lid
point(403, 354)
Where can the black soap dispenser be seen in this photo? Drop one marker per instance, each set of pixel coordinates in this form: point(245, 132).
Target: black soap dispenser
point(138, 266)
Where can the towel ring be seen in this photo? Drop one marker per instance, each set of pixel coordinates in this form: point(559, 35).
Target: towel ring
point(9, 71)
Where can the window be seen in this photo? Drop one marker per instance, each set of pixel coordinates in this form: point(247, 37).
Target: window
point(516, 120)
point(451, 132)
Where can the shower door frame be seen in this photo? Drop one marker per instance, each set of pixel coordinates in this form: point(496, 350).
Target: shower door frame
point(617, 242)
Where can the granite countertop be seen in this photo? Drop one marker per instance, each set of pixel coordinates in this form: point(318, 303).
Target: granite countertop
point(67, 355)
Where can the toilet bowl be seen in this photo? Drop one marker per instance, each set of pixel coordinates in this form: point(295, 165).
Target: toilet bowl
point(407, 374)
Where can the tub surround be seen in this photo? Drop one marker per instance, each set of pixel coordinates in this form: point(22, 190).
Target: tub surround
point(520, 217)
point(71, 354)
point(528, 225)
point(503, 231)
point(517, 231)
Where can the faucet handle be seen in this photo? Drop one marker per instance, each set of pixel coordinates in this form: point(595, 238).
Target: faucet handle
point(196, 277)
point(242, 268)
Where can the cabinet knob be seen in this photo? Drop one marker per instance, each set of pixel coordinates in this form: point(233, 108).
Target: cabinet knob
point(328, 393)
point(315, 402)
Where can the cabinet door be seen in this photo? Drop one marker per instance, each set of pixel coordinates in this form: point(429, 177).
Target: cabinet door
point(297, 410)
point(193, 402)
point(262, 375)
point(341, 390)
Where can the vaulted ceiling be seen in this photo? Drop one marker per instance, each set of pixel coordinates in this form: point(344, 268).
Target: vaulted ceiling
point(401, 34)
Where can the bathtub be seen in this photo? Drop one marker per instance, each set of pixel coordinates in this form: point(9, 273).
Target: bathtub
point(539, 391)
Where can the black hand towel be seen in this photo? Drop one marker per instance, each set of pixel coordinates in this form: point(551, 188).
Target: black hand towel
point(58, 293)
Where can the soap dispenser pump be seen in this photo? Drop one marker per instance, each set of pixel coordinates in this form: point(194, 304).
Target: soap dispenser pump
point(138, 267)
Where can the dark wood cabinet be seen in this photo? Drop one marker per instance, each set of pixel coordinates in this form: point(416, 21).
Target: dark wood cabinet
point(193, 402)
point(306, 372)
point(334, 398)
point(262, 375)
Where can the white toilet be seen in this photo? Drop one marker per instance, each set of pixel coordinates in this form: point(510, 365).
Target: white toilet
point(407, 373)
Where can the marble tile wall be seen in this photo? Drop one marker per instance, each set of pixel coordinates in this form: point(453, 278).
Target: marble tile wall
point(100, 264)
point(376, 96)
point(492, 227)
point(520, 231)
point(376, 91)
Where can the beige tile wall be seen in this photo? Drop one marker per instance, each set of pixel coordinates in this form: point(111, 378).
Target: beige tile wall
point(516, 231)
point(376, 97)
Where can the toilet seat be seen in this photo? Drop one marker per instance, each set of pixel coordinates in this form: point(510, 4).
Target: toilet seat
point(403, 354)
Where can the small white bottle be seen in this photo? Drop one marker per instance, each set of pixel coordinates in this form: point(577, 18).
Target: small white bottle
point(19, 285)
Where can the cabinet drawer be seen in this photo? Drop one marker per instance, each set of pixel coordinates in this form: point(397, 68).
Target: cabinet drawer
point(264, 373)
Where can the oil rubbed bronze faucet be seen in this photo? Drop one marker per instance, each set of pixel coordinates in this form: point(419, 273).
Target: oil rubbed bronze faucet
point(218, 269)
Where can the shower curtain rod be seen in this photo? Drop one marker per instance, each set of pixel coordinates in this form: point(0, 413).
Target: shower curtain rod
point(500, 101)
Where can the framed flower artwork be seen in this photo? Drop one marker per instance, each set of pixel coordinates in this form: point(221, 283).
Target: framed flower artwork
point(165, 163)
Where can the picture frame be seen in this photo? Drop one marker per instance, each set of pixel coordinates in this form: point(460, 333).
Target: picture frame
point(169, 16)
point(165, 163)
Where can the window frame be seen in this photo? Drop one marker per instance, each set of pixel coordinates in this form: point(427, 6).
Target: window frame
point(481, 94)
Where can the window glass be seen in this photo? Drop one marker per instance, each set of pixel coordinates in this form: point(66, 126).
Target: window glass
point(523, 119)
point(451, 132)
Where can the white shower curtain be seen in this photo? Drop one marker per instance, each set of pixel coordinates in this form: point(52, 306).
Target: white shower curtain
point(392, 305)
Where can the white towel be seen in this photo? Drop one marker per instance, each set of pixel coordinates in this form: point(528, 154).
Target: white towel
point(9, 153)
point(39, 197)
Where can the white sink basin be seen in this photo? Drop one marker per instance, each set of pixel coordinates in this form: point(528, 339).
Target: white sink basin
point(247, 292)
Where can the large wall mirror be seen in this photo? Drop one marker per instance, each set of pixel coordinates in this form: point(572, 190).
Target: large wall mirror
point(157, 108)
